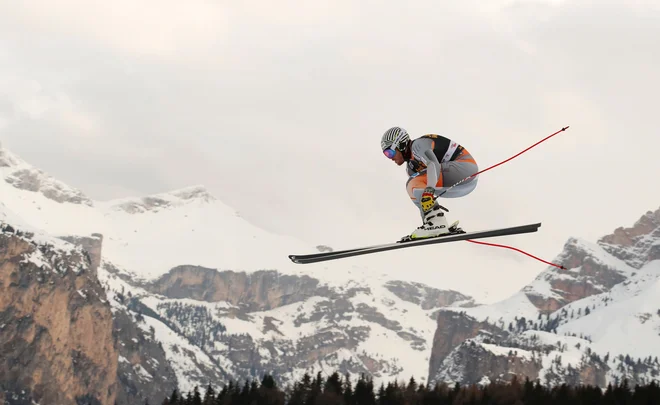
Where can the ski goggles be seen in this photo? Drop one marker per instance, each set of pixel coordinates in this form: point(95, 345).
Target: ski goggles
point(389, 152)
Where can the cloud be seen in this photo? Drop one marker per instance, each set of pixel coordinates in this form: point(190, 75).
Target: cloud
point(151, 28)
point(28, 100)
point(279, 108)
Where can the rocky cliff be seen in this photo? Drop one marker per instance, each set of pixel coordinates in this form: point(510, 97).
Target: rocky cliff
point(216, 325)
point(174, 324)
point(546, 330)
point(25, 177)
point(586, 274)
point(638, 244)
point(56, 343)
point(262, 290)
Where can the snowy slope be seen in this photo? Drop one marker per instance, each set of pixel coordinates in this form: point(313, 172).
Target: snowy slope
point(148, 236)
point(519, 305)
point(45, 243)
point(375, 330)
point(629, 313)
point(351, 327)
point(595, 322)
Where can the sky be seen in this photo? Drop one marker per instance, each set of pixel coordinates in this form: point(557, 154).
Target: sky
point(279, 110)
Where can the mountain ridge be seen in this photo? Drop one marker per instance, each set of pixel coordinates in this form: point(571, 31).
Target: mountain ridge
point(198, 295)
point(586, 315)
point(193, 287)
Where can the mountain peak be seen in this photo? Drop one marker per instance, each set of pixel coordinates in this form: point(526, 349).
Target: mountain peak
point(8, 159)
point(605, 298)
point(636, 245)
point(156, 202)
point(589, 270)
point(22, 176)
point(194, 192)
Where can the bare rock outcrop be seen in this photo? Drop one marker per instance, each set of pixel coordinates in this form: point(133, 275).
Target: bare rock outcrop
point(258, 291)
point(56, 343)
point(636, 245)
point(586, 274)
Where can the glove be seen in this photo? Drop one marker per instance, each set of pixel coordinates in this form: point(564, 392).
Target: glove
point(428, 200)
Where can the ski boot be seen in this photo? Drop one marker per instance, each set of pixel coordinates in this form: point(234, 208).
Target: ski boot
point(434, 225)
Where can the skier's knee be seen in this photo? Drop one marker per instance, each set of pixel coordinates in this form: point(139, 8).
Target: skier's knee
point(415, 185)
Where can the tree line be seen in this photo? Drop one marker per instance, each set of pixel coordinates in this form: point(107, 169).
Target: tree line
point(338, 390)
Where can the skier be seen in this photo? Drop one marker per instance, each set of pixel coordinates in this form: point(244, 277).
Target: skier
point(434, 164)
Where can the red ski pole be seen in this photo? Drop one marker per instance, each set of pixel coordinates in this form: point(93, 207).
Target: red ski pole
point(491, 167)
point(502, 162)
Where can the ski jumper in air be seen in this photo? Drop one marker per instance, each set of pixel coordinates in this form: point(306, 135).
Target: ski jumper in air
point(434, 164)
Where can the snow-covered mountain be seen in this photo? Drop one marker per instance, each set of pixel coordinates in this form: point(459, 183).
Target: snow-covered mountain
point(594, 323)
point(199, 295)
point(150, 235)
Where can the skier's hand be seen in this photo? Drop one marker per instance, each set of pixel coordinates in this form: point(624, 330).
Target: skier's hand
point(428, 199)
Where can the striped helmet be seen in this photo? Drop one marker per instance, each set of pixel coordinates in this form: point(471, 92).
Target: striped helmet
point(395, 138)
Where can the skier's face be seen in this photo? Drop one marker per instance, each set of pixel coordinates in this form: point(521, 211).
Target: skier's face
point(398, 158)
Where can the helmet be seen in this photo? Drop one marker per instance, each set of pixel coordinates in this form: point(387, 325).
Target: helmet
point(395, 138)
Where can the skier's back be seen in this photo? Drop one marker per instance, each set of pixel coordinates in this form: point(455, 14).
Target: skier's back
point(434, 164)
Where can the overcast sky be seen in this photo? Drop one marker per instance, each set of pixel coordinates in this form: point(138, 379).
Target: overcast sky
point(279, 110)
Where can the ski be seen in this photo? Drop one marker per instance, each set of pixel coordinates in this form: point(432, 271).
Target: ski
point(325, 256)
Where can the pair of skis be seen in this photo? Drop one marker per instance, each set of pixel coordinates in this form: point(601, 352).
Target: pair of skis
point(452, 237)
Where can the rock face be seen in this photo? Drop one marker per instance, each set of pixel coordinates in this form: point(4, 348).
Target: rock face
point(425, 296)
point(453, 329)
point(236, 325)
point(637, 245)
point(193, 326)
point(35, 180)
point(475, 362)
point(587, 275)
point(261, 290)
point(56, 343)
point(25, 177)
point(537, 332)
point(161, 201)
point(91, 245)
point(143, 371)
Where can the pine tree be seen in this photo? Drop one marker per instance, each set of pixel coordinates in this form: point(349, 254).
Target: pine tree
point(254, 391)
point(305, 387)
point(333, 384)
point(268, 382)
point(364, 395)
point(174, 398)
point(197, 397)
point(297, 395)
point(269, 393)
point(209, 395)
point(235, 394)
point(411, 391)
point(220, 397)
point(315, 389)
point(348, 390)
point(386, 396)
point(188, 399)
point(245, 393)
